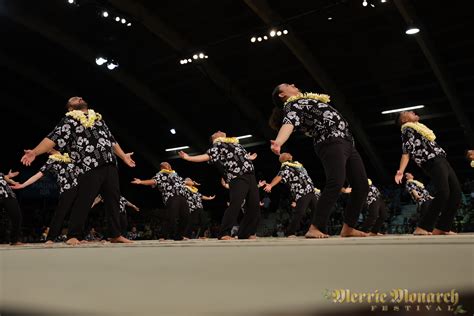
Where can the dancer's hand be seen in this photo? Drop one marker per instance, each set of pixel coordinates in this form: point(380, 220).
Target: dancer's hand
point(136, 208)
point(127, 159)
point(398, 177)
point(252, 156)
point(212, 197)
point(275, 147)
point(17, 186)
point(12, 174)
point(28, 157)
point(268, 188)
point(183, 155)
point(293, 204)
point(261, 183)
point(136, 181)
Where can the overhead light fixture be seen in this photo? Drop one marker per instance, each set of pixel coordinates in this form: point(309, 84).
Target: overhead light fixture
point(244, 136)
point(383, 1)
point(285, 32)
point(403, 109)
point(265, 37)
point(129, 24)
point(190, 60)
point(173, 131)
point(272, 33)
point(279, 33)
point(105, 14)
point(100, 61)
point(253, 39)
point(259, 39)
point(330, 18)
point(117, 19)
point(124, 21)
point(112, 65)
point(412, 30)
point(364, 3)
point(201, 55)
point(372, 5)
point(70, 1)
point(177, 148)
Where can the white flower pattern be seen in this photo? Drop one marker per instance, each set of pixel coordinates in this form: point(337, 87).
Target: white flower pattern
point(298, 180)
point(233, 158)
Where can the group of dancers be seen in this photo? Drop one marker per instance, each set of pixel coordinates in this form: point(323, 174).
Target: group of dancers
point(83, 157)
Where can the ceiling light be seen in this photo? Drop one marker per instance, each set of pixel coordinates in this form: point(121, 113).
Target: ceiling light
point(259, 39)
point(177, 148)
point(244, 136)
point(272, 33)
point(285, 32)
point(190, 60)
point(173, 131)
point(403, 109)
point(201, 55)
point(124, 21)
point(129, 24)
point(279, 33)
point(372, 5)
point(364, 3)
point(70, 1)
point(412, 30)
point(329, 18)
point(100, 61)
point(105, 14)
point(253, 39)
point(265, 37)
point(195, 56)
point(117, 19)
point(112, 65)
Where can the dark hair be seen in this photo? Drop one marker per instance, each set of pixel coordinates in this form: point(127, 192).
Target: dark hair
point(277, 101)
point(276, 117)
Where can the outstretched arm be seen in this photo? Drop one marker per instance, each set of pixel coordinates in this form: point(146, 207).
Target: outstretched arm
point(136, 208)
point(224, 184)
point(43, 147)
point(403, 164)
point(283, 135)
point(269, 186)
point(208, 198)
point(28, 182)
point(97, 200)
point(198, 158)
point(126, 158)
point(149, 182)
point(252, 156)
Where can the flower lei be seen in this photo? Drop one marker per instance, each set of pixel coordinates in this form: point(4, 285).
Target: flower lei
point(422, 129)
point(370, 181)
point(166, 171)
point(472, 164)
point(62, 158)
point(315, 96)
point(86, 121)
point(317, 191)
point(191, 188)
point(295, 164)
point(231, 140)
point(418, 183)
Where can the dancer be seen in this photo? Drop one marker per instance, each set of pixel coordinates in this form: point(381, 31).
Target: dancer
point(301, 187)
point(470, 156)
point(66, 173)
point(9, 203)
point(123, 211)
point(333, 143)
point(194, 198)
point(172, 189)
point(240, 174)
point(93, 149)
point(418, 144)
point(419, 195)
point(376, 211)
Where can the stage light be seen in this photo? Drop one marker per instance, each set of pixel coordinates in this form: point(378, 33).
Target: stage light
point(201, 55)
point(173, 131)
point(329, 18)
point(117, 19)
point(259, 39)
point(244, 136)
point(129, 24)
point(124, 21)
point(272, 33)
point(279, 33)
point(190, 60)
point(177, 148)
point(105, 14)
point(265, 37)
point(404, 109)
point(111, 65)
point(195, 56)
point(253, 39)
point(383, 1)
point(100, 61)
point(206, 56)
point(372, 5)
point(70, 1)
point(412, 30)
point(285, 32)
point(364, 3)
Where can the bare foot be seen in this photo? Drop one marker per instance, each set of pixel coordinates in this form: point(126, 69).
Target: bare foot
point(17, 244)
point(86, 242)
point(72, 242)
point(226, 237)
point(253, 237)
point(421, 232)
point(120, 240)
point(442, 232)
point(348, 231)
point(204, 238)
point(313, 232)
point(185, 238)
point(291, 236)
point(49, 242)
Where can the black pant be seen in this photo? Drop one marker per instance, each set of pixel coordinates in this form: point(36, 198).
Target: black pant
point(10, 204)
point(309, 200)
point(123, 223)
point(447, 196)
point(65, 203)
point(177, 216)
point(193, 222)
point(103, 180)
point(340, 159)
point(423, 209)
point(376, 215)
point(240, 188)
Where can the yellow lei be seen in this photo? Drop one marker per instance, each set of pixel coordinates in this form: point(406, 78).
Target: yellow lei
point(472, 164)
point(192, 189)
point(166, 171)
point(295, 164)
point(317, 191)
point(422, 129)
point(315, 96)
point(232, 140)
point(86, 121)
point(62, 158)
point(370, 181)
point(418, 183)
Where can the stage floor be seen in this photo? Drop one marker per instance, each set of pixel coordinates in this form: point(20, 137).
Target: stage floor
point(268, 276)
